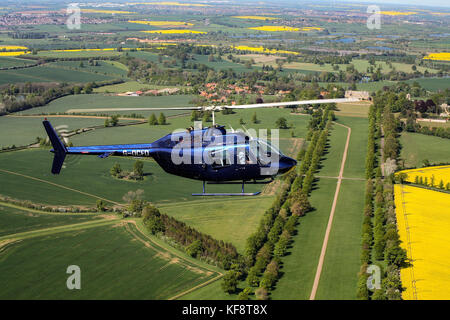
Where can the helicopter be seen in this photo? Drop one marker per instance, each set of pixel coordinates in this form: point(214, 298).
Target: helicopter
point(211, 154)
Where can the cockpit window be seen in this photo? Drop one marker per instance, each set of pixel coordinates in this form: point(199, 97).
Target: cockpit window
point(266, 145)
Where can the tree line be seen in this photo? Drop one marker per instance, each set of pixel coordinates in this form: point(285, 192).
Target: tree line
point(424, 181)
point(380, 239)
point(19, 97)
point(194, 243)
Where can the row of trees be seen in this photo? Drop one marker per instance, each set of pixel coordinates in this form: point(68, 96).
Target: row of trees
point(423, 181)
point(371, 145)
point(152, 121)
point(380, 239)
point(112, 121)
point(395, 99)
point(195, 243)
point(319, 126)
point(43, 207)
point(269, 243)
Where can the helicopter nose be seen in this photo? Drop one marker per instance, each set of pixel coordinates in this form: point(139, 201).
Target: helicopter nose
point(286, 164)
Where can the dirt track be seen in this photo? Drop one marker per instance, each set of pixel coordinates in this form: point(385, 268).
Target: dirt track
point(330, 220)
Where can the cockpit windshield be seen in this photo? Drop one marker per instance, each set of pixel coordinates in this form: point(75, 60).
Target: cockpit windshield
point(264, 151)
point(265, 145)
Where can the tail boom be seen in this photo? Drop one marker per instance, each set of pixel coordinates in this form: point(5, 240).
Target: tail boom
point(103, 151)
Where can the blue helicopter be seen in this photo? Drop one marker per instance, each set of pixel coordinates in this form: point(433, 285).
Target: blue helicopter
point(210, 155)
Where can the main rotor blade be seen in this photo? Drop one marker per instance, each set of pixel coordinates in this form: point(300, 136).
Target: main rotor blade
point(130, 109)
point(218, 108)
point(290, 103)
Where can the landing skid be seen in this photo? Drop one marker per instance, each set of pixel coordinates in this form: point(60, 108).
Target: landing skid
point(226, 194)
point(245, 194)
point(237, 182)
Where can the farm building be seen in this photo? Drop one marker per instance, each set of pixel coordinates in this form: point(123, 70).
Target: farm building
point(362, 95)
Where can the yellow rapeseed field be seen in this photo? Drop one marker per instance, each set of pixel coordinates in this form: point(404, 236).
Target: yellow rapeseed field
point(397, 13)
point(424, 225)
point(162, 23)
point(255, 18)
point(106, 11)
point(285, 28)
point(175, 31)
point(12, 48)
point(311, 28)
point(263, 50)
point(11, 53)
point(172, 3)
point(275, 28)
point(439, 173)
point(87, 50)
point(80, 50)
point(442, 56)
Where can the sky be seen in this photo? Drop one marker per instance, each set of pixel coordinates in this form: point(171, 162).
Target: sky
point(440, 3)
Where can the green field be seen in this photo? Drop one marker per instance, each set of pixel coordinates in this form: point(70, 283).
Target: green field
point(360, 110)
point(222, 65)
point(360, 66)
point(432, 84)
point(8, 62)
point(128, 86)
point(355, 164)
point(108, 68)
point(418, 147)
point(144, 55)
point(342, 260)
point(434, 124)
point(333, 155)
point(116, 262)
point(91, 101)
point(15, 220)
point(231, 220)
point(79, 54)
point(22, 131)
point(212, 291)
point(49, 74)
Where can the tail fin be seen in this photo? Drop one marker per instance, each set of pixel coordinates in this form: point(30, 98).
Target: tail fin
point(59, 149)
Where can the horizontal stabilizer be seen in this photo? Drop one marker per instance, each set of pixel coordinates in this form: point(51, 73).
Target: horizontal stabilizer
point(59, 148)
point(58, 161)
point(242, 194)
